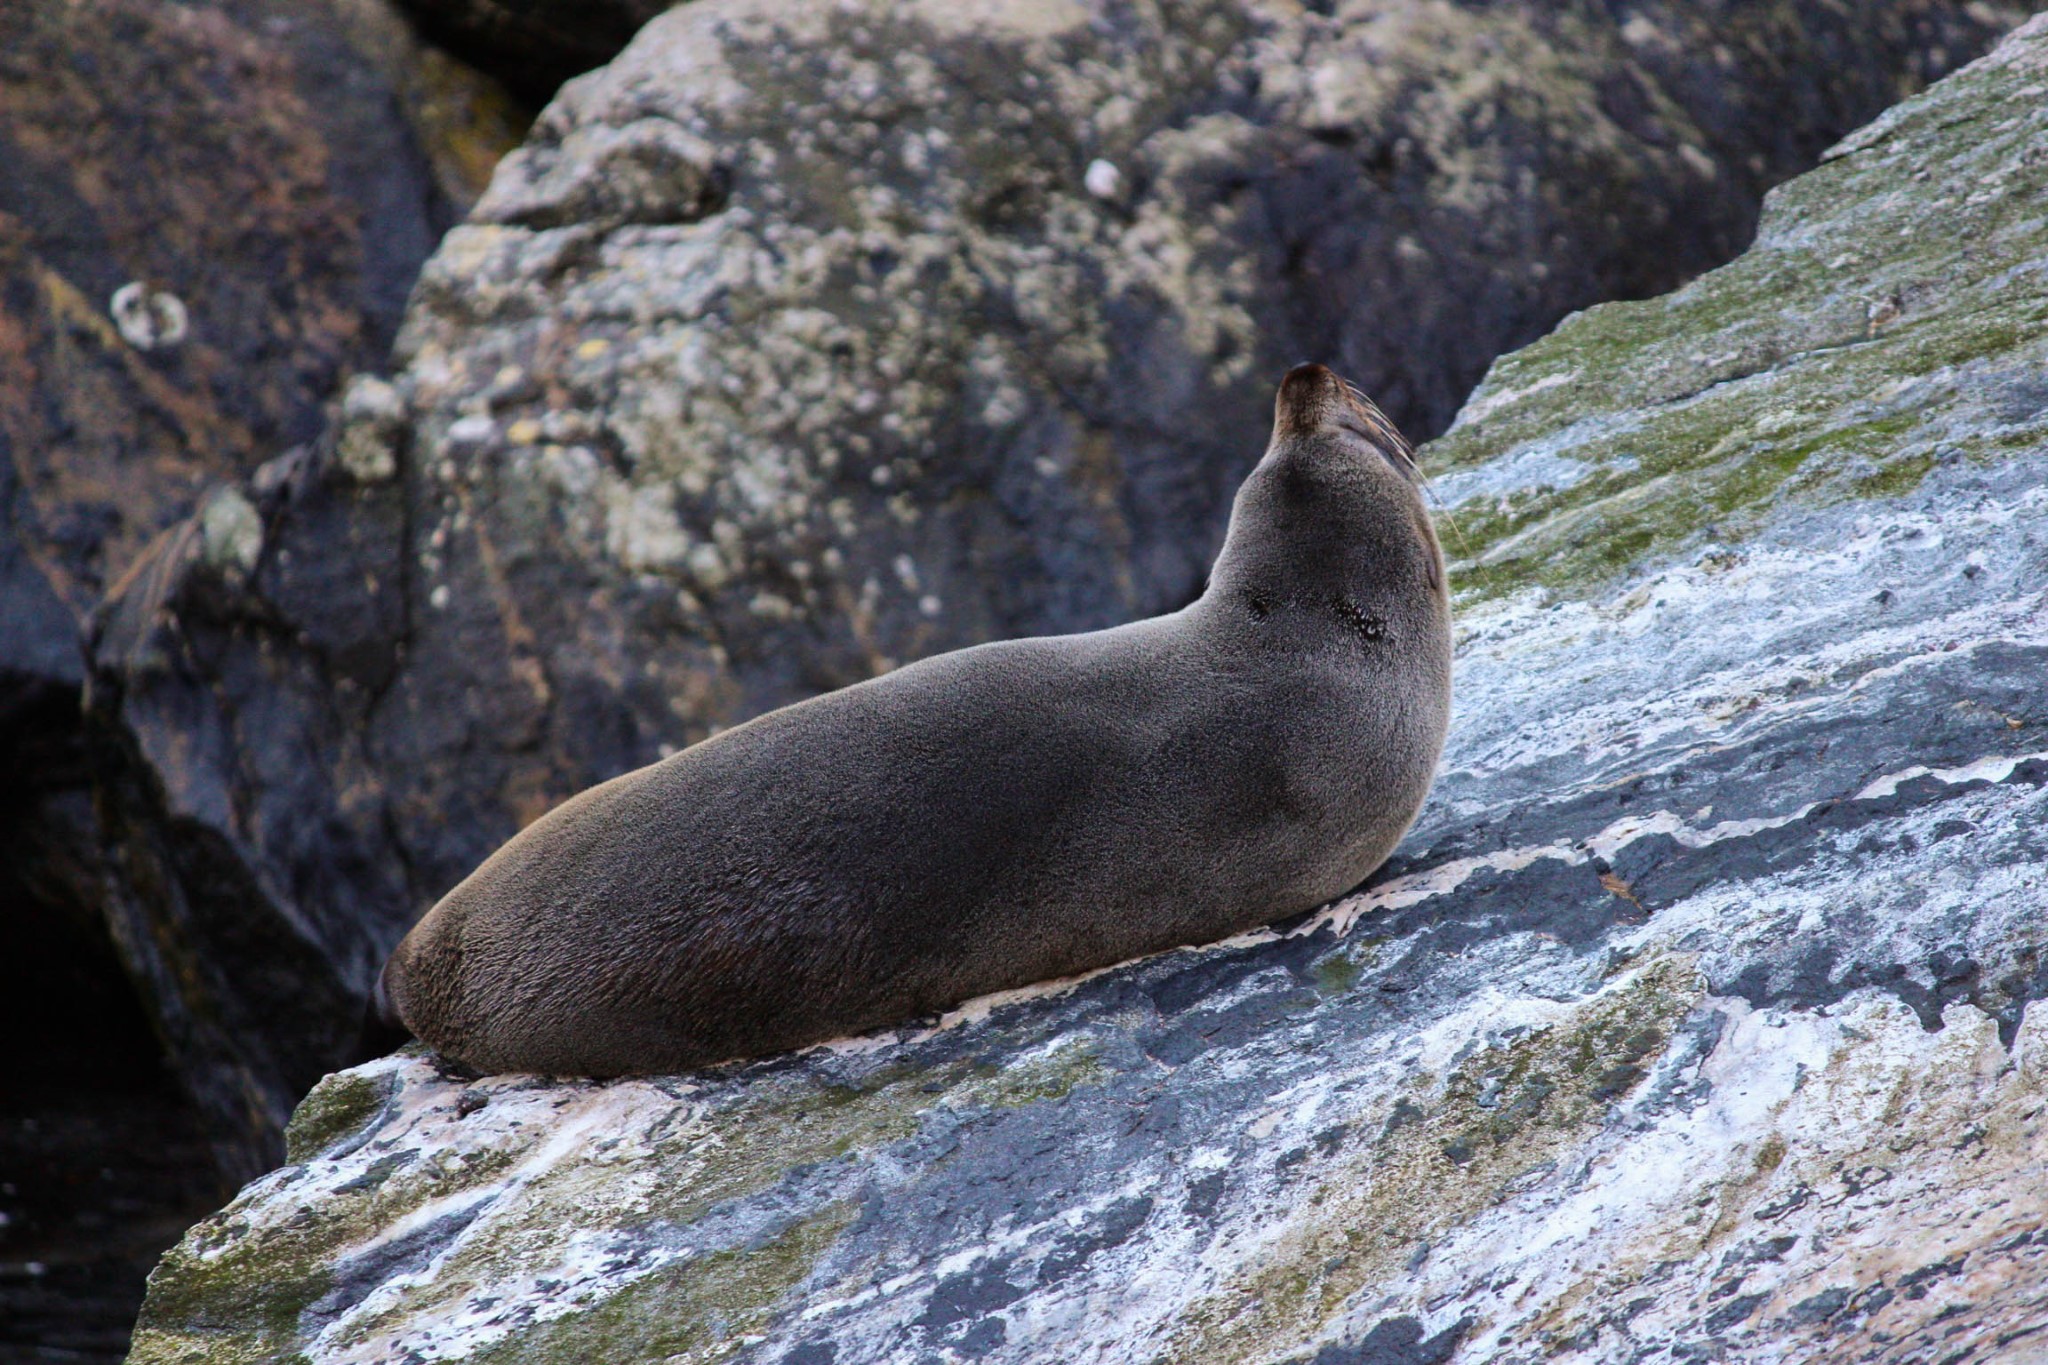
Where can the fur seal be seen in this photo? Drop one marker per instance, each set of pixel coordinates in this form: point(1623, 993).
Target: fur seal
point(987, 818)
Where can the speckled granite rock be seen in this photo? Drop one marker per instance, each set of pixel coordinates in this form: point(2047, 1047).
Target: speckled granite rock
point(1690, 1024)
point(804, 339)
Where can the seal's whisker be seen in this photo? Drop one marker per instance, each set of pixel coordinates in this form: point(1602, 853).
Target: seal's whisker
point(1444, 513)
point(1384, 431)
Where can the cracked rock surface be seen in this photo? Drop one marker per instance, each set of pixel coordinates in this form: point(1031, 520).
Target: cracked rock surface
point(803, 340)
point(1690, 1023)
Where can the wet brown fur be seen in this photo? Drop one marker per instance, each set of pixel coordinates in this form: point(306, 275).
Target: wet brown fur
point(987, 818)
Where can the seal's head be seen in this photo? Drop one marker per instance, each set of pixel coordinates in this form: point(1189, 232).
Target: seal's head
point(1315, 403)
point(1333, 517)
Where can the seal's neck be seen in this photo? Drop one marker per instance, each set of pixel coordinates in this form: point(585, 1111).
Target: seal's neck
point(1318, 521)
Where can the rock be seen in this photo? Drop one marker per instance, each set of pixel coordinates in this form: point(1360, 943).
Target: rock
point(249, 1004)
point(1691, 1023)
point(533, 45)
point(156, 345)
point(159, 344)
point(210, 214)
point(802, 340)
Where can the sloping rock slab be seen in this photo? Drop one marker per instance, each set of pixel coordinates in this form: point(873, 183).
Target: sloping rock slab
point(1690, 1025)
point(803, 340)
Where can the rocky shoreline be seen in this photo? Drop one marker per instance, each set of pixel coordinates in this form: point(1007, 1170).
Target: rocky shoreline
point(1690, 1022)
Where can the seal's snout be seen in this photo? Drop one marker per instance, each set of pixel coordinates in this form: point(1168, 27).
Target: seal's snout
point(1315, 400)
point(1307, 400)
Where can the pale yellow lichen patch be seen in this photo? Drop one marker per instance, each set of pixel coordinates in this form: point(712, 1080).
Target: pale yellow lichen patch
point(230, 531)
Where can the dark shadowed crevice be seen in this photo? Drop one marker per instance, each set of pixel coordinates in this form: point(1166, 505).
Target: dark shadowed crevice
point(103, 1160)
point(532, 45)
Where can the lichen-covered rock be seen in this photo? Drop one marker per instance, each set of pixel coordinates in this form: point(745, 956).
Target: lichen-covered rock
point(1690, 1024)
point(803, 340)
point(155, 341)
point(152, 344)
point(211, 212)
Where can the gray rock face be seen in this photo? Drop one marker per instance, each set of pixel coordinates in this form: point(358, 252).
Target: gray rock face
point(158, 346)
point(804, 340)
point(210, 214)
point(1690, 1024)
point(155, 343)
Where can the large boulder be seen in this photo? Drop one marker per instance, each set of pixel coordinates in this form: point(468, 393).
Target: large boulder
point(804, 340)
point(1691, 1022)
point(211, 214)
point(152, 344)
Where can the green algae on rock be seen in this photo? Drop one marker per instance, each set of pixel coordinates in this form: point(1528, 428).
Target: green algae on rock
point(648, 1160)
point(1839, 358)
point(339, 1106)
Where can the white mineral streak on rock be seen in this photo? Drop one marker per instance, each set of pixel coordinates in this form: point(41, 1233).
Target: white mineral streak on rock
point(1994, 769)
point(1676, 662)
point(1445, 878)
point(1487, 400)
point(1808, 1165)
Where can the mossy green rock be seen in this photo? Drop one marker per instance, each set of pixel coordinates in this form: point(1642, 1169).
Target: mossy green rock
point(1892, 301)
point(1691, 1023)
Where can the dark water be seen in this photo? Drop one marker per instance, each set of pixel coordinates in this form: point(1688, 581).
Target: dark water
point(102, 1162)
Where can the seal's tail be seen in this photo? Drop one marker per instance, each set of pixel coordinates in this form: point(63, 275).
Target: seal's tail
point(382, 1031)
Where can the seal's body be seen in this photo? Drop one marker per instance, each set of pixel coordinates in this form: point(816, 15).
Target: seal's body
point(986, 818)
